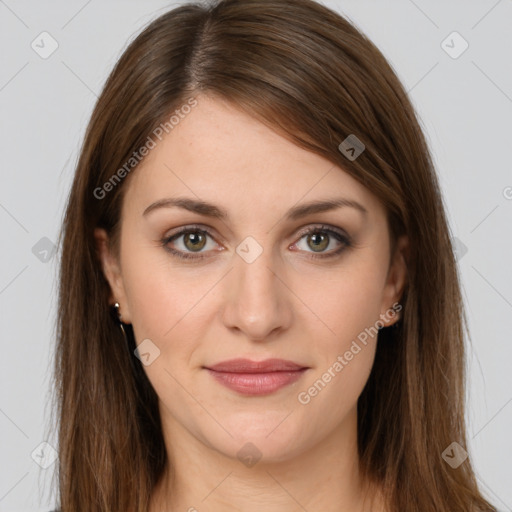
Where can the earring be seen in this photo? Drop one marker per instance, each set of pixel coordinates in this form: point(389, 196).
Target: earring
point(116, 307)
point(128, 338)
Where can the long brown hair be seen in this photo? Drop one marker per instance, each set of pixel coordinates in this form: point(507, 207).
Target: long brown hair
point(309, 74)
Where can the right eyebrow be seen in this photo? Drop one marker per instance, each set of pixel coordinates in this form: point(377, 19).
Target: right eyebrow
point(192, 205)
point(211, 210)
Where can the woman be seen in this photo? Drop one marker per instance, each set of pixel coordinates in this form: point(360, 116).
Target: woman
point(259, 303)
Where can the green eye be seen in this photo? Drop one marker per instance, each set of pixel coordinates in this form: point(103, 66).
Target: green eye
point(195, 239)
point(318, 239)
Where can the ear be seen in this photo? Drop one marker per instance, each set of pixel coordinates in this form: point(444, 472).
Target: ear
point(395, 282)
point(112, 272)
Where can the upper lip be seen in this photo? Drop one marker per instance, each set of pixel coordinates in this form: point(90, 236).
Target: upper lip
point(248, 366)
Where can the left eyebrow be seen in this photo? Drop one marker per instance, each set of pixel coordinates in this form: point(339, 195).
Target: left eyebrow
point(211, 210)
point(322, 206)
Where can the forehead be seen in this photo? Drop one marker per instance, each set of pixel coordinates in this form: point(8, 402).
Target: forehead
point(222, 155)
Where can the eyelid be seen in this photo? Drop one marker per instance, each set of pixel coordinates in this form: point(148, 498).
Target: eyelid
point(311, 228)
point(183, 230)
point(341, 236)
point(308, 228)
point(193, 228)
point(346, 239)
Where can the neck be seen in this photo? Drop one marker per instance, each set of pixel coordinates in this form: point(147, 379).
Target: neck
point(324, 477)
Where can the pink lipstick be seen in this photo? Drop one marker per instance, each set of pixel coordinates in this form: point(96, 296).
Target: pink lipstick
point(256, 377)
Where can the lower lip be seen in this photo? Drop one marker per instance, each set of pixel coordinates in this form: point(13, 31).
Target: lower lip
point(257, 383)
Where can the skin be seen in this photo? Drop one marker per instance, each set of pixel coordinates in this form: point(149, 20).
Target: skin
point(284, 304)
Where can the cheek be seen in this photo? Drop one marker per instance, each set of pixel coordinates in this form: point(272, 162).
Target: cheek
point(153, 302)
point(166, 300)
point(156, 303)
point(347, 301)
point(344, 360)
point(164, 305)
point(349, 304)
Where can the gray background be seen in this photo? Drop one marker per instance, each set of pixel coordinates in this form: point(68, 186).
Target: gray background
point(465, 104)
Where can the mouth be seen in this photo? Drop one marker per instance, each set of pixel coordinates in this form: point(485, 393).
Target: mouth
point(256, 377)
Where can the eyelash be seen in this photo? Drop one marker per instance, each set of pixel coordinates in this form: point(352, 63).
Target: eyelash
point(338, 235)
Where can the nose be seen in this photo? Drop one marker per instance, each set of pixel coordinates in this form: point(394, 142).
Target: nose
point(257, 301)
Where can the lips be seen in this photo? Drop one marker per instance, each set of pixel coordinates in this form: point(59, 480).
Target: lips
point(248, 366)
point(256, 377)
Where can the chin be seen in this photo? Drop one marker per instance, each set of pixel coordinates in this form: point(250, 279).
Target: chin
point(268, 439)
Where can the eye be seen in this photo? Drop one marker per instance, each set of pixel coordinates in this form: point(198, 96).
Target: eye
point(189, 240)
point(320, 238)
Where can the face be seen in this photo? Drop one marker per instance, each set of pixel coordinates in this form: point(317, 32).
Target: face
point(255, 276)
